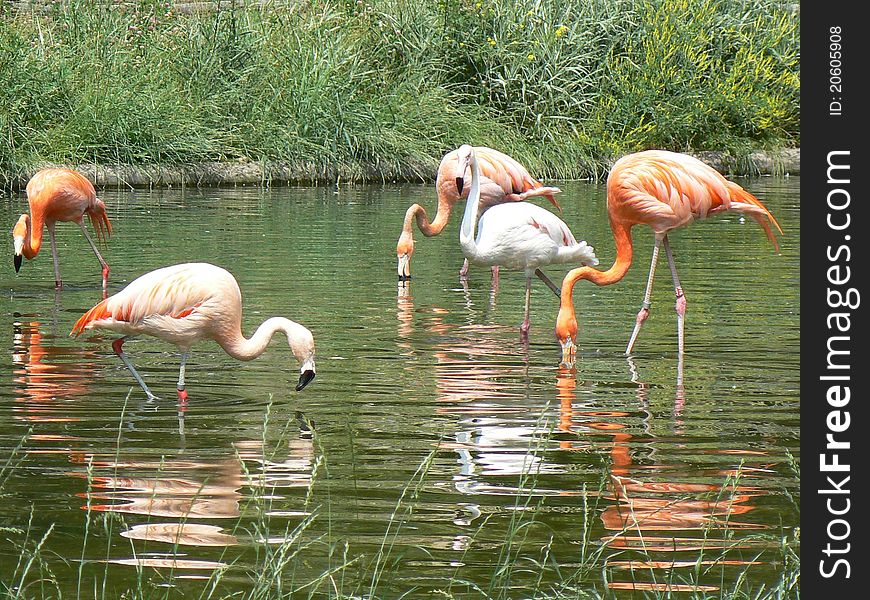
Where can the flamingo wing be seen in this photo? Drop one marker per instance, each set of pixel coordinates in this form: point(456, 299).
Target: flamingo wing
point(177, 292)
point(509, 174)
point(519, 235)
point(60, 194)
point(667, 190)
point(507, 171)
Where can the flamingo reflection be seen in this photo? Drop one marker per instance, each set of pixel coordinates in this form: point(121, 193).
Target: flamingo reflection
point(180, 492)
point(649, 504)
point(651, 514)
point(48, 377)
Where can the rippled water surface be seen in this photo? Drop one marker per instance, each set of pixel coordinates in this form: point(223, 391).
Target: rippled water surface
point(448, 458)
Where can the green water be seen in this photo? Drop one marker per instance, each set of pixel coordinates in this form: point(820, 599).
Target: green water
point(448, 456)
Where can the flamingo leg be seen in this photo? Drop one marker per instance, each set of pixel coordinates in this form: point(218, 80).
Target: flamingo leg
point(524, 328)
point(116, 346)
point(463, 272)
point(643, 313)
point(495, 278)
point(543, 277)
point(100, 258)
point(680, 308)
point(58, 284)
point(182, 393)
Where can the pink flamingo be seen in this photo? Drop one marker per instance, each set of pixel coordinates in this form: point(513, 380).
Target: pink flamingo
point(183, 304)
point(664, 190)
point(59, 195)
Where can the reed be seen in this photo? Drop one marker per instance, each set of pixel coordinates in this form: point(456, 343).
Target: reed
point(380, 89)
point(314, 556)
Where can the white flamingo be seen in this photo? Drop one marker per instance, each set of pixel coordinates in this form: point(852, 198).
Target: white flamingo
point(183, 304)
point(513, 184)
point(518, 235)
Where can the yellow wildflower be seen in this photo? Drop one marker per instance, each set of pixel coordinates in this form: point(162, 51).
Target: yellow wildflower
point(561, 30)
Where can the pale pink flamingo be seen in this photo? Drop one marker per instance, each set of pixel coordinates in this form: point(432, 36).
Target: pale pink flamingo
point(512, 183)
point(664, 190)
point(183, 304)
point(517, 235)
point(59, 195)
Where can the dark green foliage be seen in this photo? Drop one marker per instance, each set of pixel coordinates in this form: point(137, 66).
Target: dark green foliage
point(381, 89)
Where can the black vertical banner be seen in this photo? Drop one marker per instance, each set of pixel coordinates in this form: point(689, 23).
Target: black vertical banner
point(834, 179)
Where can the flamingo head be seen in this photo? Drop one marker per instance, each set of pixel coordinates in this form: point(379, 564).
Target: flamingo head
point(404, 251)
point(463, 160)
point(19, 232)
point(302, 345)
point(566, 333)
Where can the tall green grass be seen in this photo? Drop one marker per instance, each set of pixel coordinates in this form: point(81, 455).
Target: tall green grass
point(382, 88)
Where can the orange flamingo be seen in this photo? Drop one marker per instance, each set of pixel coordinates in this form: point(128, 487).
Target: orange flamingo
point(183, 304)
point(664, 190)
point(59, 195)
point(512, 184)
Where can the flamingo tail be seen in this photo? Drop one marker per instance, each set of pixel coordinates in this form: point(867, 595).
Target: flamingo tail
point(95, 314)
point(100, 221)
point(545, 192)
point(743, 201)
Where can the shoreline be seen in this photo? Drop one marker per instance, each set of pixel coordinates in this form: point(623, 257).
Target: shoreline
point(781, 162)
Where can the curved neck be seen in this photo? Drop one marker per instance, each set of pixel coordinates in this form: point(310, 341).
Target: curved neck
point(624, 254)
point(469, 219)
point(240, 348)
point(32, 235)
point(418, 213)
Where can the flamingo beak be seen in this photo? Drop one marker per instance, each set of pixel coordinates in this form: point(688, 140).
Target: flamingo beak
point(569, 352)
point(304, 379)
point(18, 245)
point(404, 267)
point(460, 184)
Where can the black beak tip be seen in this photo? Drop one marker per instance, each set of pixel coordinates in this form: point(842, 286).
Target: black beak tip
point(17, 261)
point(460, 184)
point(304, 379)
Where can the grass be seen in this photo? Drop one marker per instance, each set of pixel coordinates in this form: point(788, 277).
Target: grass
point(308, 557)
point(380, 89)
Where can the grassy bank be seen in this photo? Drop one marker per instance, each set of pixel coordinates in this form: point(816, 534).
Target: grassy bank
point(382, 88)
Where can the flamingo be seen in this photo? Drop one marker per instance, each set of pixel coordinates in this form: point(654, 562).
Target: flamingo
point(666, 191)
point(512, 184)
point(183, 304)
point(59, 195)
point(517, 235)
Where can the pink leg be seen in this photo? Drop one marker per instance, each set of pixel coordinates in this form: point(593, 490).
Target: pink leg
point(524, 328)
point(105, 280)
point(100, 258)
point(643, 313)
point(58, 284)
point(182, 392)
point(680, 308)
point(463, 272)
point(117, 347)
point(495, 270)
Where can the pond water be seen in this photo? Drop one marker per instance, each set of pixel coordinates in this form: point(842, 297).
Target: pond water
point(448, 457)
